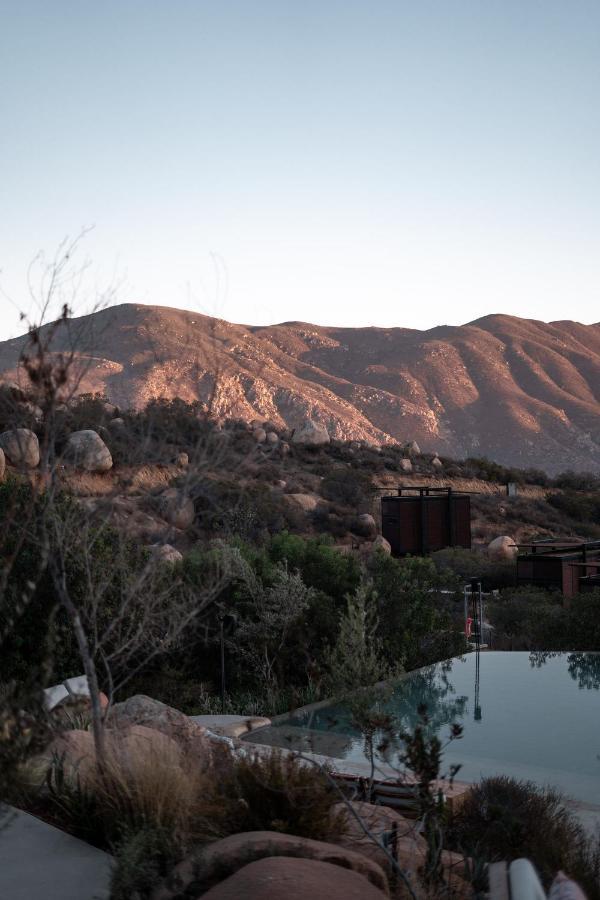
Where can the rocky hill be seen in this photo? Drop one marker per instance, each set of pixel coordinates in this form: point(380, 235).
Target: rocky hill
point(522, 392)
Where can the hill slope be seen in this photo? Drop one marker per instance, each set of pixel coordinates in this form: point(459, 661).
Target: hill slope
point(523, 392)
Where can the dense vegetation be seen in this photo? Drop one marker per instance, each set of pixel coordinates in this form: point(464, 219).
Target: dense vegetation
point(302, 618)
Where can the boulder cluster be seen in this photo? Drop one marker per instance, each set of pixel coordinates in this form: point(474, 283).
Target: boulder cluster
point(84, 450)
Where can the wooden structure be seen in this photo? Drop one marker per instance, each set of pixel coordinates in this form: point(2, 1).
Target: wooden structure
point(420, 520)
point(567, 566)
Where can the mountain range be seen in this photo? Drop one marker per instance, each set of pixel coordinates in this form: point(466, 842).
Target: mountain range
point(519, 391)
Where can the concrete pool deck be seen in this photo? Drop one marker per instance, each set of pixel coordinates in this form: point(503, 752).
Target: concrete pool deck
point(40, 862)
point(230, 725)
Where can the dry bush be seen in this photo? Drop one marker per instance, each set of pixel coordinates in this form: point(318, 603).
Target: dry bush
point(272, 792)
point(142, 783)
point(502, 818)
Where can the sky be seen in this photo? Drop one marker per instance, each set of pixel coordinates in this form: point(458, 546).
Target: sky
point(343, 162)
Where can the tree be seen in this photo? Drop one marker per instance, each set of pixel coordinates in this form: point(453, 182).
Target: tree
point(266, 620)
point(119, 603)
point(356, 660)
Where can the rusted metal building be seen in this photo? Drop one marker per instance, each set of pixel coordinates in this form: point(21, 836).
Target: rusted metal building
point(420, 520)
point(567, 566)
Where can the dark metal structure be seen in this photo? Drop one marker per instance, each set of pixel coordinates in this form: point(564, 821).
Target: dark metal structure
point(420, 520)
point(567, 566)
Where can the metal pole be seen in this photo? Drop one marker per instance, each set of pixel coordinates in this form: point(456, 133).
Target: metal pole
point(221, 623)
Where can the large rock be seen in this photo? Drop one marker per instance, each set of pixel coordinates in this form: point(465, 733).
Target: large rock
point(165, 553)
point(312, 434)
point(21, 448)
point(413, 449)
point(176, 508)
point(86, 450)
point(259, 435)
point(437, 463)
point(76, 749)
point(503, 547)
point(381, 543)
point(368, 522)
point(130, 747)
point(406, 466)
point(411, 846)
point(142, 710)
point(294, 879)
point(209, 865)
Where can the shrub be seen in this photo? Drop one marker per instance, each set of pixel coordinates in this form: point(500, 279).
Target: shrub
point(150, 807)
point(581, 507)
point(354, 490)
point(528, 617)
point(535, 619)
point(411, 610)
point(577, 481)
point(272, 793)
point(140, 786)
point(466, 564)
point(502, 818)
point(250, 513)
point(356, 659)
point(321, 566)
point(330, 521)
point(142, 859)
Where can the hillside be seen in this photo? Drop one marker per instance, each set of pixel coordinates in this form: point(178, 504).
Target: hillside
point(522, 392)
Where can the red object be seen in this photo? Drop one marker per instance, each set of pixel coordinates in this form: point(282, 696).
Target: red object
point(468, 626)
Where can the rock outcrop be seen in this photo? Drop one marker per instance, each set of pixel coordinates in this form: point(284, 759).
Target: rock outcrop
point(518, 391)
point(86, 450)
point(311, 434)
point(367, 522)
point(223, 858)
point(503, 547)
point(411, 846)
point(381, 543)
point(294, 879)
point(176, 508)
point(141, 710)
point(165, 553)
point(132, 747)
point(21, 448)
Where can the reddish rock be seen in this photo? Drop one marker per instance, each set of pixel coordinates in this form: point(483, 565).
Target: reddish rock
point(205, 868)
point(503, 547)
point(176, 508)
point(411, 846)
point(187, 734)
point(294, 879)
point(381, 543)
point(77, 750)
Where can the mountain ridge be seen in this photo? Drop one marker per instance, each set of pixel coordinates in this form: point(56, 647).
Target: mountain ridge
point(521, 391)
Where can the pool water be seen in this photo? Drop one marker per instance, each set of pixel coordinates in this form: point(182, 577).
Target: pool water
point(532, 716)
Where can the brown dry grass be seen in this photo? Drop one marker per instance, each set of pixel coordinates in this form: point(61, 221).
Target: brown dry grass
point(120, 480)
point(471, 485)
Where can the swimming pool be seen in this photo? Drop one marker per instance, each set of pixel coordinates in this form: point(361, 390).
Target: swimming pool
point(533, 716)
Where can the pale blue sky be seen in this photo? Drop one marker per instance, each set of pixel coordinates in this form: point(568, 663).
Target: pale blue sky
point(346, 162)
